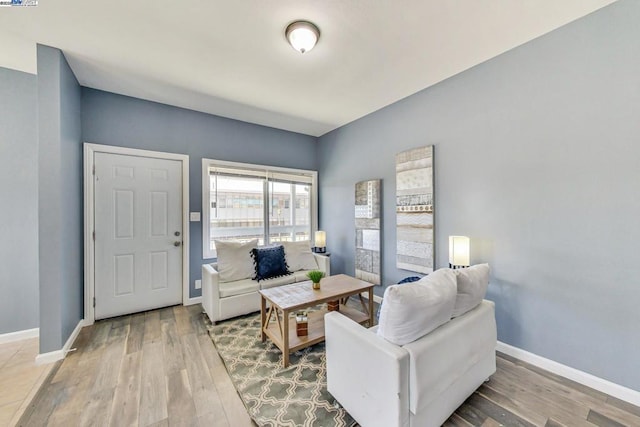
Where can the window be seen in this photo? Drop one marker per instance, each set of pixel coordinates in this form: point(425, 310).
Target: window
point(244, 202)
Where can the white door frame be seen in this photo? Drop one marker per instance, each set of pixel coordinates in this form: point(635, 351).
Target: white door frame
point(89, 248)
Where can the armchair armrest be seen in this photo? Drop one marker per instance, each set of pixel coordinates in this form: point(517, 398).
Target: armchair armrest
point(324, 263)
point(211, 292)
point(368, 375)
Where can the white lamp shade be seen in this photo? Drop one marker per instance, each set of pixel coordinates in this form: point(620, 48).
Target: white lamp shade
point(320, 239)
point(459, 250)
point(302, 35)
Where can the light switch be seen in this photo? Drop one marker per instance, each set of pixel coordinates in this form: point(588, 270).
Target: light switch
point(194, 216)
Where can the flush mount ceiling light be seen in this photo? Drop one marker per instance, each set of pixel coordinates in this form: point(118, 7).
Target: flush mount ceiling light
point(302, 35)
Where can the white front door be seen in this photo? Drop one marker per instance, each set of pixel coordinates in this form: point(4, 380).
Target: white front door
point(138, 233)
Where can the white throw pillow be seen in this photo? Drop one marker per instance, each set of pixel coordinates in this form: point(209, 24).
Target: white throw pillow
point(472, 283)
point(412, 310)
point(299, 256)
point(234, 260)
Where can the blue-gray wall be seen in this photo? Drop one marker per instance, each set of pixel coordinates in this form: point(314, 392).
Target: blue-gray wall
point(59, 199)
point(537, 160)
point(118, 120)
point(18, 198)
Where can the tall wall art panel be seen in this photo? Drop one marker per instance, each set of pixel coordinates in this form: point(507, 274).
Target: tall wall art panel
point(415, 210)
point(367, 212)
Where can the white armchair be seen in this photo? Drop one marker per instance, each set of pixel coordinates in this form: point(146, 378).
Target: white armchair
point(418, 384)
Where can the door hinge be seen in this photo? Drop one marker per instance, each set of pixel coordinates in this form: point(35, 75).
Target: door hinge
point(93, 170)
point(94, 302)
point(94, 235)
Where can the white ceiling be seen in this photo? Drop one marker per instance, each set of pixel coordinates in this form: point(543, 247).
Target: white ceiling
point(230, 57)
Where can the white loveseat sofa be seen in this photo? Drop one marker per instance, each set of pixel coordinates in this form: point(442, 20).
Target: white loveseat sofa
point(420, 383)
point(226, 299)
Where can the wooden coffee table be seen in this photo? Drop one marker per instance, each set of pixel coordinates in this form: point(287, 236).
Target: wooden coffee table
point(288, 299)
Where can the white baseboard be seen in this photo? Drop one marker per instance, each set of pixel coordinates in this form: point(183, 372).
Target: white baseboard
point(192, 301)
point(608, 387)
point(19, 335)
point(54, 356)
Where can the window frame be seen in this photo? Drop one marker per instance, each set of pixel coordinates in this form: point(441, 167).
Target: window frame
point(207, 252)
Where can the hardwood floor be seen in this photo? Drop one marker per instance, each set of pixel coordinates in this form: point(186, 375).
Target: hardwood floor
point(20, 378)
point(160, 368)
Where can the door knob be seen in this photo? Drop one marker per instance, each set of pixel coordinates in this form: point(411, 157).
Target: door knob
point(177, 243)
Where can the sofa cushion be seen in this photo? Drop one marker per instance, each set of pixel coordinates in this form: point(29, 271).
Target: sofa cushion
point(234, 260)
point(299, 256)
point(472, 286)
point(238, 287)
point(269, 262)
point(301, 276)
point(413, 310)
point(276, 281)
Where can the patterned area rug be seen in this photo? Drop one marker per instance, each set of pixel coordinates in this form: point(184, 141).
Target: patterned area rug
point(274, 396)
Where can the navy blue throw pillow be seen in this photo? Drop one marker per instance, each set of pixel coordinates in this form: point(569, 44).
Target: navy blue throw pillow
point(269, 262)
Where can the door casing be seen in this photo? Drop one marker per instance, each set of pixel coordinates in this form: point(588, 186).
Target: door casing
point(89, 248)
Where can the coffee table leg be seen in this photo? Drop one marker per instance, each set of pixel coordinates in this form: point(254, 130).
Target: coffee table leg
point(371, 306)
point(285, 338)
point(263, 317)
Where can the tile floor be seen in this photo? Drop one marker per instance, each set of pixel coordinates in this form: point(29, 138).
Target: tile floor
point(20, 378)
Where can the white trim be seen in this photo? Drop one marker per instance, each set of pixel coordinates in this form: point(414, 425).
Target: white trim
point(89, 249)
point(193, 301)
point(597, 383)
point(19, 335)
point(54, 356)
point(207, 253)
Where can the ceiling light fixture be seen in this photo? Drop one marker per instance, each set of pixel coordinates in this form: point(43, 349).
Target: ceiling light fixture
point(302, 35)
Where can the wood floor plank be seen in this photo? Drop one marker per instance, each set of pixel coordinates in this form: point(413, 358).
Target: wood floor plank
point(166, 313)
point(98, 408)
point(136, 334)
point(625, 406)
point(496, 413)
point(171, 345)
point(109, 367)
point(152, 326)
point(557, 378)
point(205, 395)
point(120, 321)
point(181, 407)
point(572, 414)
point(490, 422)
point(471, 414)
point(183, 322)
point(100, 333)
point(456, 420)
point(523, 410)
point(153, 397)
point(126, 400)
point(603, 421)
point(553, 423)
point(232, 404)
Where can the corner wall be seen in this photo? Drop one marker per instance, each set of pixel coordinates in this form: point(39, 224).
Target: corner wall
point(537, 160)
point(18, 197)
point(59, 199)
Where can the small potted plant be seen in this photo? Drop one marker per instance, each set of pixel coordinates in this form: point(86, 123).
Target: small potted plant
point(315, 276)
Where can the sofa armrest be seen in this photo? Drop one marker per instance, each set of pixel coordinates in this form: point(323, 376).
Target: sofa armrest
point(324, 263)
point(368, 375)
point(211, 292)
